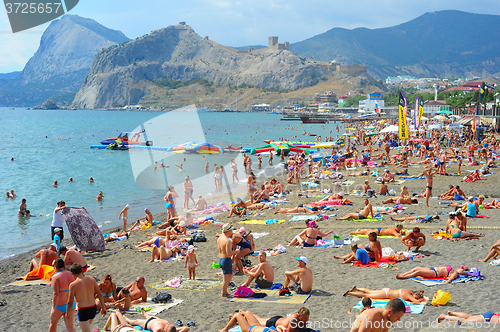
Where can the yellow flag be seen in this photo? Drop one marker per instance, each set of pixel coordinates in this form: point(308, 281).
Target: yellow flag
point(403, 127)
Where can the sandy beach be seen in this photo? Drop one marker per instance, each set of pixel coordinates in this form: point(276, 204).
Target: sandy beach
point(28, 308)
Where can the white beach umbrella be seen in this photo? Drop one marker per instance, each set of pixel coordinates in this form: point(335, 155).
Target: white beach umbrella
point(390, 129)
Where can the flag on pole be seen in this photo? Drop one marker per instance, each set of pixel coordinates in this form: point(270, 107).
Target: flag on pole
point(403, 106)
point(416, 121)
point(420, 110)
point(376, 107)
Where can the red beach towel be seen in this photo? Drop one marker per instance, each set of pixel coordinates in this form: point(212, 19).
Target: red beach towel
point(375, 264)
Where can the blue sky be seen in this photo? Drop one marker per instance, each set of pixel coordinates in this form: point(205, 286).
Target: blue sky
point(236, 23)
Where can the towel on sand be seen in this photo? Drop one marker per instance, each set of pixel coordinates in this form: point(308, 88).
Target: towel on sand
point(375, 264)
point(262, 222)
point(412, 308)
point(273, 297)
point(377, 217)
point(44, 272)
point(439, 281)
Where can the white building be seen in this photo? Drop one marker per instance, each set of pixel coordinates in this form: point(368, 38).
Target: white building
point(369, 105)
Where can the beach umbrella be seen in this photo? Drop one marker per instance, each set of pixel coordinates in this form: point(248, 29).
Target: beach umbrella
point(424, 118)
point(435, 126)
point(390, 129)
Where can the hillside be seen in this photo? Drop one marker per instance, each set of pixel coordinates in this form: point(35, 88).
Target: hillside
point(62, 61)
point(123, 74)
point(450, 43)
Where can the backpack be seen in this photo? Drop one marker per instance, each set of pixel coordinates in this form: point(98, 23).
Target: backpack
point(243, 291)
point(162, 297)
point(199, 237)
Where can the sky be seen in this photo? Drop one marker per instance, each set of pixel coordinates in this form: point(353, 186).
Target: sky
point(235, 23)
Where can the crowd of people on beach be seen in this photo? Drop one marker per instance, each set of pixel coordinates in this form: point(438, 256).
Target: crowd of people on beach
point(173, 239)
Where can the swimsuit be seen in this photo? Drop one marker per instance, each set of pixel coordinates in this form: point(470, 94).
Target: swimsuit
point(307, 245)
point(121, 328)
point(360, 216)
point(87, 313)
point(62, 308)
point(487, 316)
point(434, 269)
point(271, 322)
point(226, 265)
point(157, 242)
point(457, 235)
point(191, 264)
point(378, 230)
point(267, 329)
point(147, 322)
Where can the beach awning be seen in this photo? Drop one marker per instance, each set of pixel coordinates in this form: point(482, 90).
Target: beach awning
point(445, 112)
point(390, 129)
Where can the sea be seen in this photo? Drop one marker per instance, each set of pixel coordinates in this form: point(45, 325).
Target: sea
point(50, 145)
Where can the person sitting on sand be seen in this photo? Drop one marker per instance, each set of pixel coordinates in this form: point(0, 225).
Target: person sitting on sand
point(248, 322)
point(72, 256)
point(446, 272)
point(263, 273)
point(240, 208)
point(387, 293)
point(447, 194)
point(388, 176)
point(299, 209)
point(301, 279)
point(163, 254)
point(144, 221)
point(116, 236)
point(262, 196)
point(473, 177)
point(454, 316)
point(137, 291)
point(277, 186)
point(47, 257)
point(292, 323)
point(380, 319)
point(400, 200)
point(108, 289)
point(394, 231)
point(358, 253)
point(414, 239)
point(153, 323)
point(382, 188)
point(493, 253)
point(200, 205)
point(456, 233)
point(307, 238)
point(362, 214)
point(426, 218)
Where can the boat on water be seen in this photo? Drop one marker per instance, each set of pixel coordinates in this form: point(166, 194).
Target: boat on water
point(306, 119)
point(127, 138)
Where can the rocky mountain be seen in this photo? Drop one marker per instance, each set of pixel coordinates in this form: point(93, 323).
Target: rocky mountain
point(62, 61)
point(9, 76)
point(444, 43)
point(123, 74)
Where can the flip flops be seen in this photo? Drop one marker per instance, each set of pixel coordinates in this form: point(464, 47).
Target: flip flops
point(190, 323)
point(179, 322)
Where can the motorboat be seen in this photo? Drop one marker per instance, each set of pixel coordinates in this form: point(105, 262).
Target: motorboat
point(127, 138)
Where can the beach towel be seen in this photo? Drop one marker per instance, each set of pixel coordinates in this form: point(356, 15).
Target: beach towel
point(410, 178)
point(273, 296)
point(377, 217)
point(429, 282)
point(220, 207)
point(348, 182)
point(311, 217)
point(383, 260)
point(44, 272)
point(21, 283)
point(412, 308)
point(325, 244)
point(156, 308)
point(84, 231)
point(336, 202)
point(199, 284)
point(495, 262)
point(379, 236)
point(262, 222)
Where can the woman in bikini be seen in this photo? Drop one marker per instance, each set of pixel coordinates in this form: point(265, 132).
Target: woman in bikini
point(60, 286)
point(234, 170)
point(249, 323)
point(394, 231)
point(108, 289)
point(446, 272)
point(465, 317)
point(307, 238)
point(387, 293)
point(162, 254)
point(170, 202)
point(251, 180)
point(456, 233)
point(239, 242)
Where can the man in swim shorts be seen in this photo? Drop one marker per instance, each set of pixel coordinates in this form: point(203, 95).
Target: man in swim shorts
point(225, 249)
point(263, 273)
point(137, 291)
point(428, 174)
point(301, 279)
point(84, 290)
point(72, 256)
point(155, 324)
point(363, 213)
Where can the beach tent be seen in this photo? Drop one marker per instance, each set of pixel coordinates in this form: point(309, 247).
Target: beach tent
point(85, 233)
point(390, 129)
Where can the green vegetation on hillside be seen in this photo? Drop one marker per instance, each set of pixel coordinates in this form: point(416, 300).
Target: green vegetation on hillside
point(353, 101)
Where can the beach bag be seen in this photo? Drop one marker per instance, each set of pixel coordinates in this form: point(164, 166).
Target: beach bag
point(162, 297)
point(338, 240)
point(199, 237)
point(285, 292)
point(243, 291)
point(441, 298)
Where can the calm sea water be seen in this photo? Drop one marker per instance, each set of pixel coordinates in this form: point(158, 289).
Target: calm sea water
point(55, 145)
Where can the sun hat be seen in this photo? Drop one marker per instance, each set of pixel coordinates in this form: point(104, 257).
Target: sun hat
point(57, 230)
point(303, 259)
point(146, 209)
point(312, 223)
point(226, 227)
point(127, 206)
point(182, 223)
point(243, 230)
point(114, 236)
point(471, 198)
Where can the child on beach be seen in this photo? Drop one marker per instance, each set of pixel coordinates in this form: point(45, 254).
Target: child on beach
point(191, 261)
point(124, 216)
point(57, 239)
point(125, 302)
point(367, 304)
